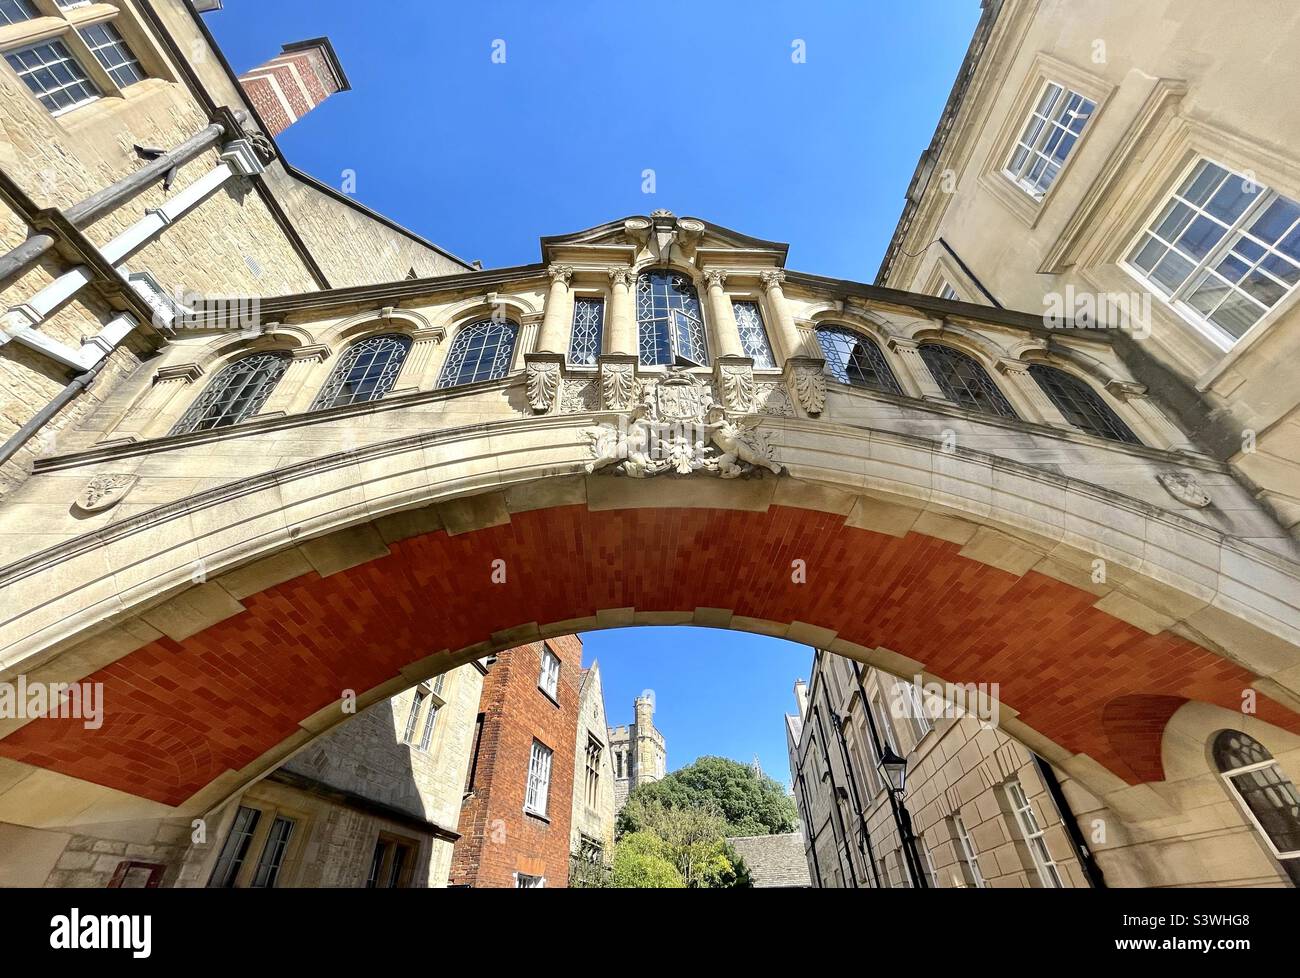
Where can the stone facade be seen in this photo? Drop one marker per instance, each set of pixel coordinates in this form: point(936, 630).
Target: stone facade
point(1156, 113)
point(591, 832)
point(927, 485)
point(965, 779)
point(510, 836)
point(638, 749)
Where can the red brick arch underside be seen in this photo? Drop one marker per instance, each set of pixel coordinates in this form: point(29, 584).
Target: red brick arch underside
point(179, 714)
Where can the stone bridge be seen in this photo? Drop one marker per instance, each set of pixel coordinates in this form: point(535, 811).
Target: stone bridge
point(234, 586)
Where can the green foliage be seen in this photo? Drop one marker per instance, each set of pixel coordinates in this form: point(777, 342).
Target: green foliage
point(640, 861)
point(748, 803)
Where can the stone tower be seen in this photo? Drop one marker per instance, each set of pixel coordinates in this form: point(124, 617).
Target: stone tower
point(638, 750)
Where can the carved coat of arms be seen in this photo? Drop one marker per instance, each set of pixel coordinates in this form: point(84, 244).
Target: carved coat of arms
point(104, 491)
point(677, 428)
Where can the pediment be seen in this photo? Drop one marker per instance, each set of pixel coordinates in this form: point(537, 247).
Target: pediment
point(640, 236)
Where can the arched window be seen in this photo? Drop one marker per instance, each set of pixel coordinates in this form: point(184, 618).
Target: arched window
point(237, 392)
point(366, 371)
point(1080, 404)
point(856, 359)
point(481, 351)
point(964, 381)
point(1264, 792)
point(670, 328)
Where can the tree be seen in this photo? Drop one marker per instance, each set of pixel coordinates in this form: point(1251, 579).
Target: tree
point(693, 840)
point(750, 804)
point(640, 862)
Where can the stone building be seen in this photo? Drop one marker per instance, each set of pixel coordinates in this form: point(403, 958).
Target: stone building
point(638, 748)
point(982, 808)
point(591, 832)
point(373, 803)
point(517, 813)
point(370, 465)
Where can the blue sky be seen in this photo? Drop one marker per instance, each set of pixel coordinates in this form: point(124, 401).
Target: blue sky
point(485, 158)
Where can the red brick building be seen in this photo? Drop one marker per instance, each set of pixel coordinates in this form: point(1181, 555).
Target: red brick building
point(514, 822)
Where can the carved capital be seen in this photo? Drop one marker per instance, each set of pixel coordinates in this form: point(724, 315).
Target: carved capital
point(316, 353)
point(622, 275)
point(772, 279)
point(560, 273)
point(713, 278)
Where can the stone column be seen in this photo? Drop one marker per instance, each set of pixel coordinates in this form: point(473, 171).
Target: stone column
point(1157, 426)
point(725, 334)
point(160, 405)
point(916, 375)
point(622, 312)
point(805, 369)
point(417, 372)
point(1043, 410)
point(557, 319)
point(286, 398)
point(787, 332)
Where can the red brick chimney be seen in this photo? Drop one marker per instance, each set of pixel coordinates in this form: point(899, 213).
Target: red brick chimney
point(290, 85)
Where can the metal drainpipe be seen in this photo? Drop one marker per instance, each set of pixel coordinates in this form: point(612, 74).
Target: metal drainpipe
point(1086, 859)
point(807, 807)
point(837, 724)
point(835, 801)
point(909, 854)
point(24, 434)
point(98, 204)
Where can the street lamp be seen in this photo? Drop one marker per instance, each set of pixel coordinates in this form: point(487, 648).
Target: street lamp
point(893, 770)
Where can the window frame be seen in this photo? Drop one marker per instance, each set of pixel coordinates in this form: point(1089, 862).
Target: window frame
point(890, 382)
point(591, 782)
point(1033, 836)
point(1034, 149)
point(63, 23)
point(548, 676)
point(1175, 301)
point(1239, 797)
point(395, 348)
point(446, 382)
point(767, 360)
point(672, 325)
point(1034, 370)
point(1044, 69)
point(538, 784)
point(191, 418)
point(86, 79)
point(592, 298)
point(1011, 414)
point(970, 856)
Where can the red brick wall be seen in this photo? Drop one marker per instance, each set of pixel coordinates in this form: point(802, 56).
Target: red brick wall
point(498, 838)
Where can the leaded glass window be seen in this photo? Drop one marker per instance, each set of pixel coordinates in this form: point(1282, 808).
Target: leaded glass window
point(367, 371)
point(964, 381)
point(1268, 796)
point(753, 335)
point(53, 75)
point(1223, 250)
point(481, 351)
point(1080, 404)
point(855, 359)
point(588, 331)
point(670, 326)
point(237, 392)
